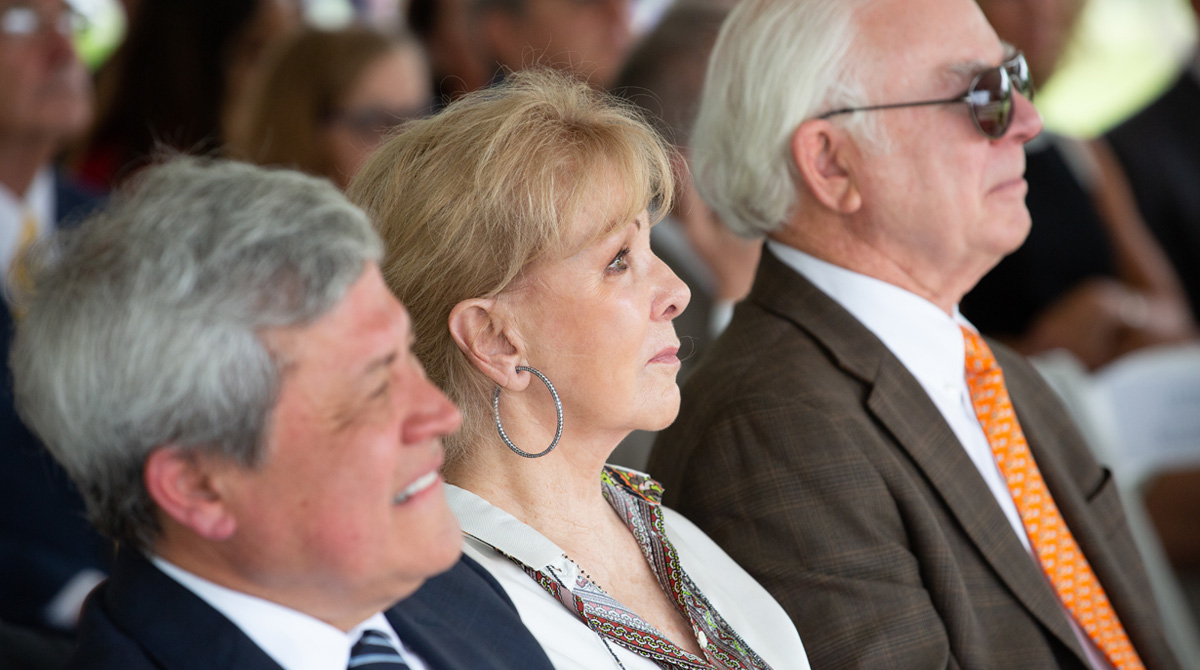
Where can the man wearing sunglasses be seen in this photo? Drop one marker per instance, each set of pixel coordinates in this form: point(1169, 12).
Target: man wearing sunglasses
point(914, 496)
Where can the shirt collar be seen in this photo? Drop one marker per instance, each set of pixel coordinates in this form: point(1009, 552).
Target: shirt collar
point(632, 483)
point(39, 197)
point(927, 341)
point(293, 639)
point(488, 523)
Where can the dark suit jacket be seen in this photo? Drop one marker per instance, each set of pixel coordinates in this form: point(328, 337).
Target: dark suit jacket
point(1159, 147)
point(812, 456)
point(45, 540)
point(141, 619)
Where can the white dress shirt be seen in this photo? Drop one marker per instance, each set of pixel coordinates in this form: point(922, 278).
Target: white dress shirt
point(750, 611)
point(929, 343)
point(39, 199)
point(296, 641)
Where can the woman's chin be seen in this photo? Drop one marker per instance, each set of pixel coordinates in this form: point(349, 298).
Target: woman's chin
point(658, 415)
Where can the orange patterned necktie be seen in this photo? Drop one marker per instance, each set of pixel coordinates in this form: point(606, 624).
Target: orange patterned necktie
point(1056, 549)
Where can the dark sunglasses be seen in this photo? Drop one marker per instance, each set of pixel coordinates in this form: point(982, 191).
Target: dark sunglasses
point(990, 97)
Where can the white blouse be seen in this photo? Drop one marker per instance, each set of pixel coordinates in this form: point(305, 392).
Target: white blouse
point(571, 645)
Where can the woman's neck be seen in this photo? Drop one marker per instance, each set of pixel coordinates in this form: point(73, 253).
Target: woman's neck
point(558, 495)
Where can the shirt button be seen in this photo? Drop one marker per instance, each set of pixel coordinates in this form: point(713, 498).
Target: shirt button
point(702, 639)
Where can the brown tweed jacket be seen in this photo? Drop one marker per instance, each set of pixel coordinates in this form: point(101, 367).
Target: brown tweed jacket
point(812, 456)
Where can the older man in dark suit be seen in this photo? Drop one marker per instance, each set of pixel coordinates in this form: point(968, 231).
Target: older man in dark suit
point(216, 362)
point(850, 439)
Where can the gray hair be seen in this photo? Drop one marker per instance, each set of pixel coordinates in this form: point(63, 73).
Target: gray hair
point(144, 328)
point(776, 63)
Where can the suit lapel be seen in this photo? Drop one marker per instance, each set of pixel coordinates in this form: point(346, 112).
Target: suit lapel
point(1093, 512)
point(175, 627)
point(899, 402)
point(422, 637)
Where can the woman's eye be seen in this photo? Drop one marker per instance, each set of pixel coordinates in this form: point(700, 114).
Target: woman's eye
point(619, 264)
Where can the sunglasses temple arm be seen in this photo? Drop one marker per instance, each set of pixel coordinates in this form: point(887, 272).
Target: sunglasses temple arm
point(923, 103)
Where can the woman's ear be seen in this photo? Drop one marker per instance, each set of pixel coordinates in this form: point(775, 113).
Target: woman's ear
point(485, 337)
point(823, 156)
point(184, 487)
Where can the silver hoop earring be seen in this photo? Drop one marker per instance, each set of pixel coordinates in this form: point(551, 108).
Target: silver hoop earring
point(557, 408)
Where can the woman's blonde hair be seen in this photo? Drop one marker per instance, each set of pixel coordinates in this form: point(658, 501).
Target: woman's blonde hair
point(300, 86)
point(467, 200)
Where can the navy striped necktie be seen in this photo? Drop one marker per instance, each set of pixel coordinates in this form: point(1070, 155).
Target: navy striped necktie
point(374, 651)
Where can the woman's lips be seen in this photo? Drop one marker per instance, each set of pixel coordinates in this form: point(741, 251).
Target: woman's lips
point(1016, 183)
point(668, 355)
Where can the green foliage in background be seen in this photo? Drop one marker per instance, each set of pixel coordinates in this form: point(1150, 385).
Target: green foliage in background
point(1124, 54)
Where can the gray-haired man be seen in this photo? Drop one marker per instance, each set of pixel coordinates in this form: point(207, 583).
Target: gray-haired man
point(217, 363)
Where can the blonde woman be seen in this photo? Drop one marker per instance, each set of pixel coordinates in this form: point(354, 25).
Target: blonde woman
point(517, 230)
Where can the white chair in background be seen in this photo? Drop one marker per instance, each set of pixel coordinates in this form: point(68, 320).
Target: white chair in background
point(1141, 415)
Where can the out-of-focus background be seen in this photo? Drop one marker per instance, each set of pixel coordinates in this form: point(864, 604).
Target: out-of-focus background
point(1124, 53)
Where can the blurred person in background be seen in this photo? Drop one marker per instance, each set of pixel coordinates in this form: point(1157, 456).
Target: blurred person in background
point(589, 38)
point(324, 100)
point(176, 81)
point(449, 32)
point(1090, 278)
point(473, 43)
point(1159, 147)
point(49, 557)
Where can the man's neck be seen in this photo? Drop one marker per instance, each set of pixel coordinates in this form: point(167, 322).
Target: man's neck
point(212, 564)
point(20, 160)
point(944, 288)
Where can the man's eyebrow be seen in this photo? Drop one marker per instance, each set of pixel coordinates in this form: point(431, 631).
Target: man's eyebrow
point(349, 407)
point(971, 68)
point(966, 69)
point(384, 361)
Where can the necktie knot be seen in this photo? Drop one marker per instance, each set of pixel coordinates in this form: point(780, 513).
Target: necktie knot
point(375, 651)
point(979, 358)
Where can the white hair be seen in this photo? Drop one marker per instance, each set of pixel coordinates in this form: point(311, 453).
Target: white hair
point(145, 327)
point(776, 63)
